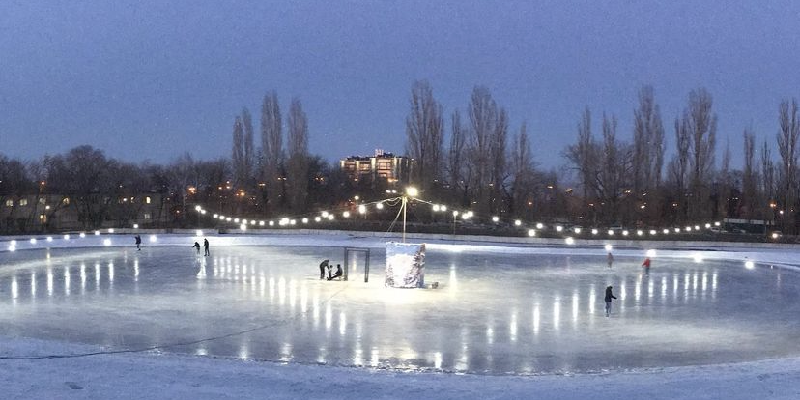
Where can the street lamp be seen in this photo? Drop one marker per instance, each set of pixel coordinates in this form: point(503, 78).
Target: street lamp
point(455, 215)
point(410, 191)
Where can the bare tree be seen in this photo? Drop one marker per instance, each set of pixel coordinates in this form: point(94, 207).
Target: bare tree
point(615, 167)
point(297, 171)
point(750, 199)
point(488, 127)
point(768, 182)
point(724, 185)
point(272, 149)
point(237, 158)
point(585, 156)
point(248, 152)
point(499, 167)
point(648, 143)
point(522, 167)
point(787, 148)
point(702, 125)
point(425, 135)
point(457, 165)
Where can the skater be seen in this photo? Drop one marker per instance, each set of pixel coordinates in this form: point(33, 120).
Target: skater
point(197, 246)
point(205, 245)
point(609, 297)
point(138, 242)
point(322, 266)
point(646, 265)
point(610, 259)
point(338, 272)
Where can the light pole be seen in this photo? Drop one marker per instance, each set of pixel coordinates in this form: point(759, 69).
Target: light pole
point(412, 192)
point(455, 215)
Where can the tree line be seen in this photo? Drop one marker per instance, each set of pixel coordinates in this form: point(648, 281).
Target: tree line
point(472, 159)
point(606, 180)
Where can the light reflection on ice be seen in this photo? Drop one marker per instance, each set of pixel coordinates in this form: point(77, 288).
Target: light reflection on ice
point(49, 282)
point(556, 312)
point(512, 326)
point(14, 289)
point(67, 281)
point(498, 328)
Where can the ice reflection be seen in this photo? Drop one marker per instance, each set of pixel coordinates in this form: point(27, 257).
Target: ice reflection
point(575, 305)
point(328, 317)
point(49, 282)
point(512, 326)
point(556, 313)
point(67, 281)
point(503, 323)
point(14, 289)
point(374, 357)
point(286, 352)
point(97, 276)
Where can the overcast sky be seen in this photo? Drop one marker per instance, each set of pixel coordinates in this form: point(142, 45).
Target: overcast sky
point(150, 80)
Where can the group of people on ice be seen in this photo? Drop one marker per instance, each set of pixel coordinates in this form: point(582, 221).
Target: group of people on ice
point(326, 266)
point(610, 289)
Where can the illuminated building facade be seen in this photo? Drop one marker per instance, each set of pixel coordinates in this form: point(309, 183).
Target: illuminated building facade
point(382, 167)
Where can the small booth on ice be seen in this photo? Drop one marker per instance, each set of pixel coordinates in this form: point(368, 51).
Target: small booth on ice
point(405, 265)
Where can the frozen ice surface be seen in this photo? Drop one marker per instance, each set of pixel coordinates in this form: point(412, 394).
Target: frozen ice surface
point(498, 309)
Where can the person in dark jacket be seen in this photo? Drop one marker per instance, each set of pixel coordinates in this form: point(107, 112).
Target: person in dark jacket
point(609, 297)
point(322, 266)
point(206, 246)
point(138, 242)
point(338, 272)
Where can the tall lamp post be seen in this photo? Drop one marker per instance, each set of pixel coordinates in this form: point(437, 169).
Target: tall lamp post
point(410, 192)
point(455, 215)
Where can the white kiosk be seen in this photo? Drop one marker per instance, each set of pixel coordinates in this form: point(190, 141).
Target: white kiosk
point(405, 264)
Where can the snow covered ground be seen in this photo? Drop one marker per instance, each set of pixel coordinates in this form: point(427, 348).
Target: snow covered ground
point(508, 321)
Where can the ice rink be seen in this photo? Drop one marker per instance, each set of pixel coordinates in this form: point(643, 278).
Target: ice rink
point(495, 311)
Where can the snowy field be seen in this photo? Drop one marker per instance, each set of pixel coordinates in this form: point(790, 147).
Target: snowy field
point(507, 321)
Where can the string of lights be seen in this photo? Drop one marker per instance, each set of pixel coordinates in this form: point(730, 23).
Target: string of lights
point(533, 228)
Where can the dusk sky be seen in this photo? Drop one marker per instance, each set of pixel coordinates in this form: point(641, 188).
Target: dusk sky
point(151, 80)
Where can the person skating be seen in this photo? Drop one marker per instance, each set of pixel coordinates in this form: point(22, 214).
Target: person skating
point(646, 265)
point(322, 267)
point(338, 272)
point(206, 245)
point(138, 242)
point(609, 297)
point(197, 246)
point(610, 259)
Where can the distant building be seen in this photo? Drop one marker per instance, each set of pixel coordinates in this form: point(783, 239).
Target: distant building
point(57, 212)
point(381, 167)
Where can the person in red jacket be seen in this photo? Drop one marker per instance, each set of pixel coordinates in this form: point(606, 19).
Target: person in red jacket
point(646, 265)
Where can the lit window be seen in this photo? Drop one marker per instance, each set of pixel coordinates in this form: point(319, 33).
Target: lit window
point(41, 200)
point(23, 202)
point(146, 215)
point(147, 199)
point(9, 203)
point(66, 201)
